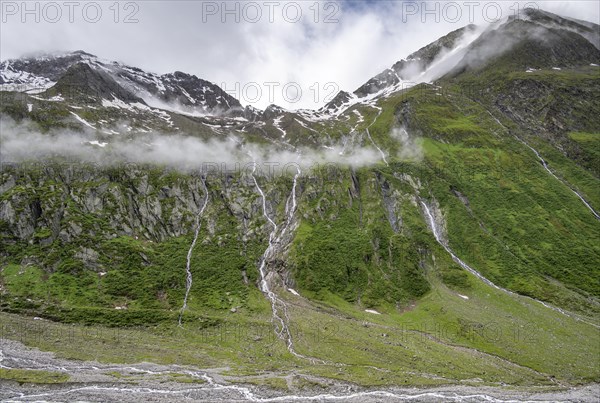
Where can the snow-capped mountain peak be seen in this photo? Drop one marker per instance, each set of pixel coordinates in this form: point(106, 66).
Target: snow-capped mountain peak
point(175, 91)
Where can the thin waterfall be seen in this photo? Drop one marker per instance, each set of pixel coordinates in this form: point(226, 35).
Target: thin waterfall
point(188, 271)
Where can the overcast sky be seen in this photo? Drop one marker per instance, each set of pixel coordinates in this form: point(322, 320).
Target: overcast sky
point(275, 46)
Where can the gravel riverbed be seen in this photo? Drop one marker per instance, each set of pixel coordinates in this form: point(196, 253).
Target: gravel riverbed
point(146, 382)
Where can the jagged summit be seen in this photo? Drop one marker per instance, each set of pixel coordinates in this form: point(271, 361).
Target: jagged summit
point(520, 44)
point(38, 73)
point(536, 39)
point(588, 30)
point(546, 17)
point(83, 53)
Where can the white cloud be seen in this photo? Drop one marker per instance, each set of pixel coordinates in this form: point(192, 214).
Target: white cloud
point(23, 142)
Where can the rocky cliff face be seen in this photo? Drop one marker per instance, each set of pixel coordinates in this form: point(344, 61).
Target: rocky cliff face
point(74, 220)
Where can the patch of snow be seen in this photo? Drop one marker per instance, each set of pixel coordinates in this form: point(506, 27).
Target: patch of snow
point(213, 126)
point(293, 291)
point(556, 68)
point(372, 311)
point(276, 123)
point(301, 123)
point(161, 108)
point(29, 107)
point(103, 67)
point(116, 103)
point(56, 98)
point(38, 90)
point(145, 77)
point(97, 143)
point(463, 296)
point(593, 65)
point(186, 111)
point(188, 96)
point(119, 104)
point(342, 108)
point(141, 106)
point(22, 81)
point(79, 118)
point(111, 132)
point(360, 116)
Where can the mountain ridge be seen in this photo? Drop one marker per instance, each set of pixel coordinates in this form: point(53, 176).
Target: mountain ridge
point(402, 74)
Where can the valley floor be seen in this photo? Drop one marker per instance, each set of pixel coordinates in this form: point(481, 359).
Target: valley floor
point(93, 381)
point(42, 360)
point(144, 382)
